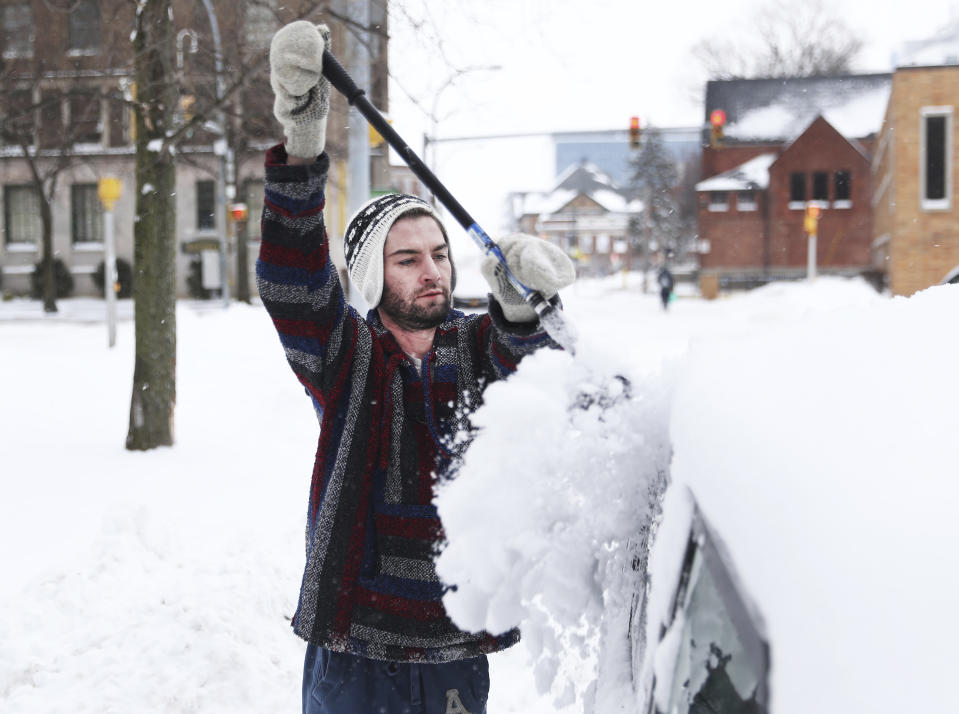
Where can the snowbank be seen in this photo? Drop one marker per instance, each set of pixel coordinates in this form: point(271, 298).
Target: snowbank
point(823, 451)
point(815, 424)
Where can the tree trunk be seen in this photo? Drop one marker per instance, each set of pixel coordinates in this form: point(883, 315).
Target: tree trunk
point(154, 232)
point(48, 274)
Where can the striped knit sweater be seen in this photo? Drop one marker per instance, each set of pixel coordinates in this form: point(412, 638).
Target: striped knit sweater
point(386, 437)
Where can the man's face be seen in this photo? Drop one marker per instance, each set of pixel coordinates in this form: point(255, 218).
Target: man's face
point(416, 274)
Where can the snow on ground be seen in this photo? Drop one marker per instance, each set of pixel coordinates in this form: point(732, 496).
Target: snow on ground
point(163, 581)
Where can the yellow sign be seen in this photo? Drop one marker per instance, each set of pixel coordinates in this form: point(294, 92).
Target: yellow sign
point(375, 138)
point(109, 190)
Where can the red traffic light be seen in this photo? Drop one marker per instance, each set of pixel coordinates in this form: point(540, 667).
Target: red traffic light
point(718, 117)
point(634, 132)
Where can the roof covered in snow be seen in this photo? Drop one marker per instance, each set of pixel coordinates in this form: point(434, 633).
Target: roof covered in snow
point(583, 179)
point(750, 175)
point(780, 109)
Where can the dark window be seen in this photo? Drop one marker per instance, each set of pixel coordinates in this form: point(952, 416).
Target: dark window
point(718, 201)
point(118, 116)
point(16, 29)
point(820, 186)
point(746, 200)
point(86, 215)
point(21, 214)
point(85, 124)
point(843, 186)
point(797, 186)
point(51, 119)
point(19, 121)
point(83, 26)
point(935, 156)
point(205, 205)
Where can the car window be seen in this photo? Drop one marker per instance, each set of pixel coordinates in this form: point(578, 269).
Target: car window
point(720, 656)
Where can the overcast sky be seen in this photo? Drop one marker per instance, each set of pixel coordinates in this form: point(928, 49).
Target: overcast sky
point(518, 66)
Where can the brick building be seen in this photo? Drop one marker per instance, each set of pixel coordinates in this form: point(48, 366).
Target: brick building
point(65, 93)
point(786, 143)
point(916, 222)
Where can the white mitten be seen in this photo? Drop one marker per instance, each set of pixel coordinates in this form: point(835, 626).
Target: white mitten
point(538, 264)
point(302, 93)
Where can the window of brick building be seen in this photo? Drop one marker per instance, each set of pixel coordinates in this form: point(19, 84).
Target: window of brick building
point(84, 30)
point(718, 201)
point(745, 200)
point(50, 130)
point(842, 190)
point(205, 205)
point(21, 216)
point(86, 214)
point(935, 156)
point(20, 118)
point(797, 190)
point(86, 124)
point(16, 30)
point(820, 186)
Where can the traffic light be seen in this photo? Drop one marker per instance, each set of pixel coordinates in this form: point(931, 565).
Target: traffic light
point(716, 121)
point(634, 132)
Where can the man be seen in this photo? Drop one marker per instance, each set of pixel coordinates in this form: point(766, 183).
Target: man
point(394, 391)
point(665, 280)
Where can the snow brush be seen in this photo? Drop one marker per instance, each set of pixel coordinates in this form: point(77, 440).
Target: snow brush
point(550, 316)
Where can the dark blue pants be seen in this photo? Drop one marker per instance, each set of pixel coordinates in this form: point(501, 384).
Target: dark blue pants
point(338, 683)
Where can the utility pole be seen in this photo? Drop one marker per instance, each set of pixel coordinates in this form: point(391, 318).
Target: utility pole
point(811, 225)
point(225, 190)
point(358, 166)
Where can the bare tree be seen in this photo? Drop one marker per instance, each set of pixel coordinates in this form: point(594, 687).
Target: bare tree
point(788, 40)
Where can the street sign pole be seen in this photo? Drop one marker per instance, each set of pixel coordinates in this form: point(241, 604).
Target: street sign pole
point(108, 190)
point(811, 226)
point(811, 258)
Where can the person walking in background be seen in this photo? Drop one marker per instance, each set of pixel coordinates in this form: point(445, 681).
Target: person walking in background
point(665, 280)
point(394, 391)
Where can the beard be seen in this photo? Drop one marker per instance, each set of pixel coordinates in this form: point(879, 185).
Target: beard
point(411, 316)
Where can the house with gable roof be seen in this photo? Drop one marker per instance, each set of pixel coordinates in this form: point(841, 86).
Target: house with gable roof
point(585, 212)
point(788, 142)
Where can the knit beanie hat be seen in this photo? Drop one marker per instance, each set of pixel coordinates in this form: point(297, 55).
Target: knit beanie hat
point(366, 236)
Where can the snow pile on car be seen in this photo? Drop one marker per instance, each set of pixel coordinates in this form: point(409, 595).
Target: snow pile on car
point(547, 515)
